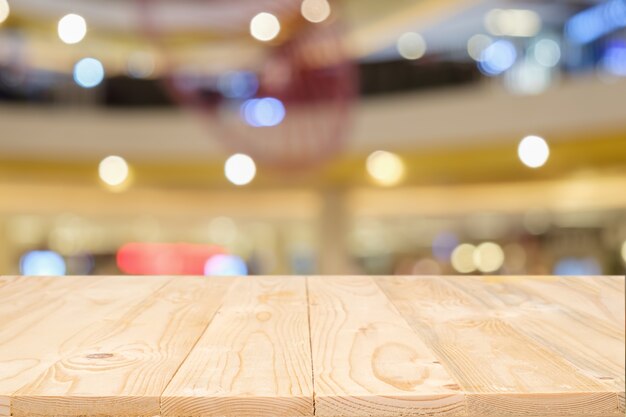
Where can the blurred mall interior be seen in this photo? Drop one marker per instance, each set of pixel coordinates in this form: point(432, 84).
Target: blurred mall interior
point(226, 137)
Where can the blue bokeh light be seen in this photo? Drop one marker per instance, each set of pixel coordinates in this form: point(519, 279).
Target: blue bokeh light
point(263, 112)
point(225, 265)
point(238, 84)
point(42, 262)
point(497, 57)
point(577, 266)
point(443, 245)
point(597, 21)
point(88, 72)
point(614, 59)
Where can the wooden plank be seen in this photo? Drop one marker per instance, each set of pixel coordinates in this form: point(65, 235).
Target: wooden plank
point(595, 347)
point(502, 371)
point(29, 305)
point(367, 361)
point(127, 338)
point(254, 358)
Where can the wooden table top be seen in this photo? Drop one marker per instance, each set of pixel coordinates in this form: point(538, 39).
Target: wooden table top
point(304, 346)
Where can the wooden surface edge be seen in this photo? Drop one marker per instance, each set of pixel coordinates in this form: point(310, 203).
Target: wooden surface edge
point(180, 406)
point(72, 406)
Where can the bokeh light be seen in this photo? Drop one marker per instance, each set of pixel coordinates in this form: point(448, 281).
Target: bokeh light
point(488, 257)
point(264, 26)
point(614, 59)
point(533, 151)
point(385, 168)
point(5, 10)
point(512, 22)
point(42, 262)
point(315, 11)
point(88, 72)
point(477, 44)
point(547, 52)
point(113, 170)
point(527, 78)
point(623, 251)
point(595, 22)
point(443, 245)
point(462, 258)
point(411, 45)
point(263, 112)
point(497, 57)
point(72, 28)
point(238, 84)
point(577, 266)
point(240, 169)
point(225, 265)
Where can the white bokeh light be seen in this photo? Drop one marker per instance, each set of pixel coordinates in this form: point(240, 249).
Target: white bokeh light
point(72, 28)
point(240, 169)
point(315, 11)
point(264, 27)
point(533, 151)
point(488, 257)
point(477, 44)
point(411, 45)
point(385, 168)
point(5, 10)
point(113, 170)
point(88, 72)
point(462, 258)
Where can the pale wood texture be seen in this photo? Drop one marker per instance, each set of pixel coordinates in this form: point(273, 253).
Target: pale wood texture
point(108, 346)
point(305, 346)
point(367, 360)
point(253, 360)
point(502, 370)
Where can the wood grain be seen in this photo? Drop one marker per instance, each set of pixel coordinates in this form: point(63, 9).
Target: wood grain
point(571, 333)
point(367, 361)
point(503, 371)
point(326, 346)
point(254, 358)
point(133, 336)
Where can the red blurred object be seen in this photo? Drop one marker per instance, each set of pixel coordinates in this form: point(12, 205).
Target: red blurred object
point(138, 258)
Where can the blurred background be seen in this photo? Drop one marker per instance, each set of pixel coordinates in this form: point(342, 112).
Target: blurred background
point(312, 137)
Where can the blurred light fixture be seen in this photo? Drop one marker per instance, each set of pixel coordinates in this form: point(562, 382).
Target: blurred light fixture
point(72, 28)
point(315, 11)
point(42, 262)
point(225, 265)
point(624, 251)
point(462, 258)
point(547, 52)
point(577, 266)
point(5, 10)
point(595, 22)
point(113, 170)
point(238, 84)
point(264, 26)
point(527, 78)
point(140, 64)
point(88, 72)
point(488, 257)
point(477, 44)
point(497, 57)
point(240, 169)
point(512, 22)
point(385, 168)
point(411, 45)
point(443, 245)
point(263, 112)
point(533, 151)
point(141, 258)
point(614, 59)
